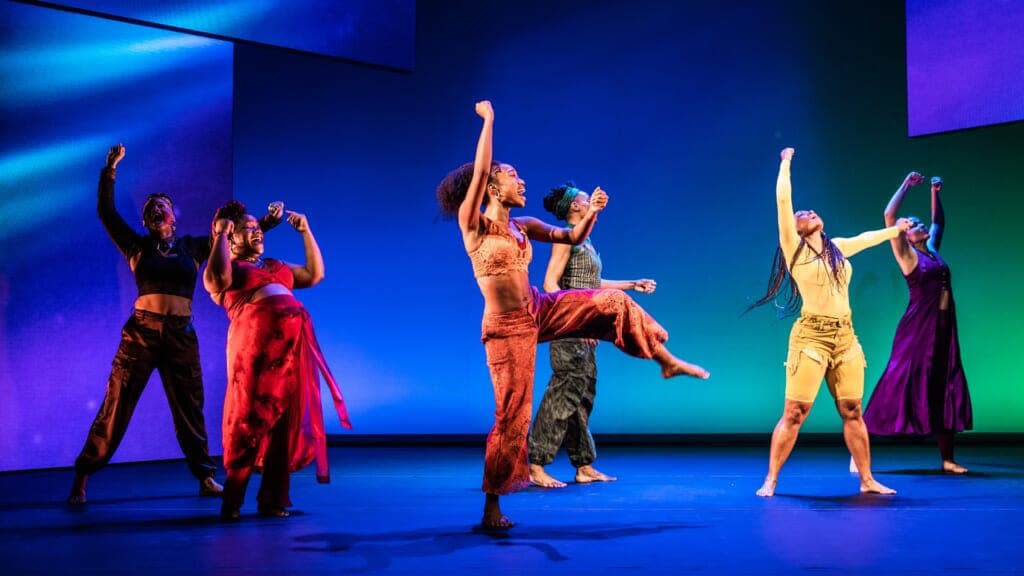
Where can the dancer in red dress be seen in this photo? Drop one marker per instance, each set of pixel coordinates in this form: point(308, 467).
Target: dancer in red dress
point(273, 419)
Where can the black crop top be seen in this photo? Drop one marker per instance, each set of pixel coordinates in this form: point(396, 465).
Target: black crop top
point(158, 269)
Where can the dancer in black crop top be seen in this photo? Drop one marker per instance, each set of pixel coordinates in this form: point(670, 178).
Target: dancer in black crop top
point(157, 336)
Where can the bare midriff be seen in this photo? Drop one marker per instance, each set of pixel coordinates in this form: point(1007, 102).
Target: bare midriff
point(505, 292)
point(166, 304)
point(269, 290)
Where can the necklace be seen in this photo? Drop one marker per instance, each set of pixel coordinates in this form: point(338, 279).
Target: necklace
point(164, 247)
point(256, 261)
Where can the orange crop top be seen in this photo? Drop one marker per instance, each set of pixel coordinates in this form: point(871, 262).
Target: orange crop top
point(500, 252)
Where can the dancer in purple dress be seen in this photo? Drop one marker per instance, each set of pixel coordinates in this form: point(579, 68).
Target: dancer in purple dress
point(923, 389)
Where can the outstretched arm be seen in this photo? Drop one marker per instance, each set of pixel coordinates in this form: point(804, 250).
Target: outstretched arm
point(905, 256)
point(312, 272)
point(788, 237)
point(864, 240)
point(217, 276)
point(469, 210)
point(124, 237)
point(938, 219)
point(544, 232)
point(642, 285)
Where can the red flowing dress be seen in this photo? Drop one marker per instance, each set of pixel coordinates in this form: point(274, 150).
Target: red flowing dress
point(273, 392)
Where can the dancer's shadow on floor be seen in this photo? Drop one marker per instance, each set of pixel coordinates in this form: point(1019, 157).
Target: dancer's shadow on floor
point(937, 472)
point(96, 502)
point(89, 523)
point(378, 550)
point(855, 500)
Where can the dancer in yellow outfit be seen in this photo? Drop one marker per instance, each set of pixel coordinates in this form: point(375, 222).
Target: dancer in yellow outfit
point(822, 343)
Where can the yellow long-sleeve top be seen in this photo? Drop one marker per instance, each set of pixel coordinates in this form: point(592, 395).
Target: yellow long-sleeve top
point(812, 274)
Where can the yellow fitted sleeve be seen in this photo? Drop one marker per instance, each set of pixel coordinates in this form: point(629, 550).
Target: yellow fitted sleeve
point(788, 237)
point(850, 246)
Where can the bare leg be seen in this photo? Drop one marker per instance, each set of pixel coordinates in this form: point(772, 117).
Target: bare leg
point(783, 439)
point(539, 477)
point(855, 433)
point(945, 441)
point(672, 366)
point(493, 518)
point(77, 495)
point(586, 474)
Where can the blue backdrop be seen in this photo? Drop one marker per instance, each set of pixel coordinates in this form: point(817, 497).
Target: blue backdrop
point(71, 87)
point(677, 110)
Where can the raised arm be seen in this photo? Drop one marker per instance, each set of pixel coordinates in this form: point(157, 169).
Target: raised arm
point(905, 256)
point(272, 218)
point(124, 237)
point(202, 246)
point(469, 210)
point(217, 276)
point(864, 240)
point(938, 217)
point(312, 272)
point(788, 237)
point(543, 232)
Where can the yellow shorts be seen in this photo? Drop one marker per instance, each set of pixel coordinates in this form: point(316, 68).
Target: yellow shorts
point(824, 347)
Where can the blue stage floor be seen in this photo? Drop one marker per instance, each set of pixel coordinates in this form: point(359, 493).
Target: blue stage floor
point(674, 510)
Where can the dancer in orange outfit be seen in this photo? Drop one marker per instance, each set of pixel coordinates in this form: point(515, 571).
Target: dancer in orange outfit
point(517, 315)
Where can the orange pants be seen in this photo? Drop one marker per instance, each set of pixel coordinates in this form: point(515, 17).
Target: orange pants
point(510, 340)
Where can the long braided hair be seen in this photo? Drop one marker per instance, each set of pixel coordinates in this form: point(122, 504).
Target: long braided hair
point(777, 279)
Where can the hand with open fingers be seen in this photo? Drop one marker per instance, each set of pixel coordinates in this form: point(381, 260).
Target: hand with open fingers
point(298, 221)
point(645, 285)
point(114, 155)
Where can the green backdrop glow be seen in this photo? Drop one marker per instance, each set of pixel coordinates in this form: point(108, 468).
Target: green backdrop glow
point(677, 110)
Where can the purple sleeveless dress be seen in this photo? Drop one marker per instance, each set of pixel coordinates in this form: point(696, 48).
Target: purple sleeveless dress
point(923, 389)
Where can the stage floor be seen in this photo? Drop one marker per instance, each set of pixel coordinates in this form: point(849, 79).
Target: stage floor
point(674, 510)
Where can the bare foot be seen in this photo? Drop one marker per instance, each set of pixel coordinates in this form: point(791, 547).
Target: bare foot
point(493, 518)
point(499, 523)
point(950, 467)
point(77, 495)
point(209, 487)
point(538, 477)
point(853, 466)
point(272, 511)
point(767, 490)
point(587, 474)
point(680, 368)
point(875, 487)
